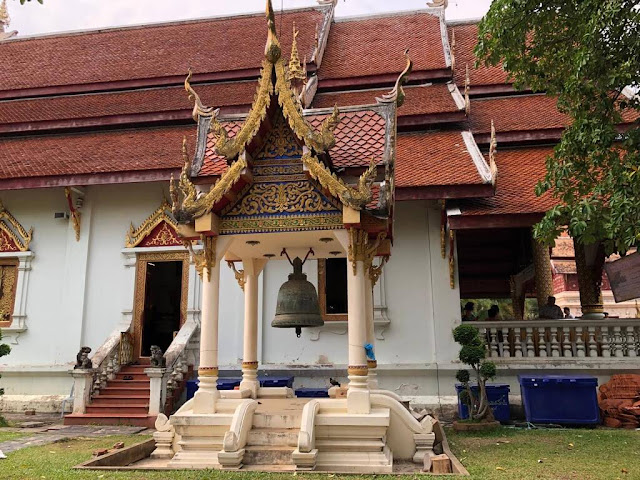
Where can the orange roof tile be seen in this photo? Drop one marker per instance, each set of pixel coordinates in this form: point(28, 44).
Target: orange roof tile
point(515, 113)
point(420, 100)
point(518, 172)
point(152, 51)
point(466, 39)
point(90, 153)
point(434, 158)
point(374, 46)
point(124, 103)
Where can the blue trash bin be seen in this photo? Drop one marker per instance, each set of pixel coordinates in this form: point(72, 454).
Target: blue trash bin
point(498, 396)
point(312, 393)
point(269, 381)
point(561, 399)
point(228, 383)
point(192, 388)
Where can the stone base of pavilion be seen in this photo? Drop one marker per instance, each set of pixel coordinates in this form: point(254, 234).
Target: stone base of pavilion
point(369, 431)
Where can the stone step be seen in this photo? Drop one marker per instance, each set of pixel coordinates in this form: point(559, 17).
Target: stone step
point(120, 400)
point(133, 368)
point(278, 420)
point(125, 391)
point(284, 437)
point(349, 445)
point(267, 455)
point(136, 375)
point(120, 409)
point(137, 420)
point(129, 383)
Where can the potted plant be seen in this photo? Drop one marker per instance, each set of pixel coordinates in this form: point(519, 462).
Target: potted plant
point(474, 354)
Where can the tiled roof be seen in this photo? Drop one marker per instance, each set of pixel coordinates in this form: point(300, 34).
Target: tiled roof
point(518, 172)
point(212, 45)
point(374, 46)
point(359, 136)
point(420, 100)
point(434, 158)
point(466, 40)
point(122, 103)
point(515, 113)
point(88, 153)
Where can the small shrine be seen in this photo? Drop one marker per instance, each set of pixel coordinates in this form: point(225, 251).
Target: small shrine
point(282, 196)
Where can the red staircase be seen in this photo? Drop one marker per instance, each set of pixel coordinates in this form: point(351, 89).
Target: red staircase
point(121, 402)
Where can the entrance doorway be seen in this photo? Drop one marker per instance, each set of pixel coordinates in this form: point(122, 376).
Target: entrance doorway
point(161, 291)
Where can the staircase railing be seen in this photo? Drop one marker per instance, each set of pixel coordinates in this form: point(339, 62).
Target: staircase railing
point(116, 351)
point(178, 361)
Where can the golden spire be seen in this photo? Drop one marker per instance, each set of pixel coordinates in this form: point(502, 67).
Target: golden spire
point(467, 100)
point(5, 20)
point(296, 71)
point(493, 148)
point(453, 50)
point(272, 50)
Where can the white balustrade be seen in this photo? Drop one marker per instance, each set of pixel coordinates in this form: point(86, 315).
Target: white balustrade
point(563, 338)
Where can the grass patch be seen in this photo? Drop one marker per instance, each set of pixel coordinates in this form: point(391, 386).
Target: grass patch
point(566, 454)
point(595, 455)
point(6, 436)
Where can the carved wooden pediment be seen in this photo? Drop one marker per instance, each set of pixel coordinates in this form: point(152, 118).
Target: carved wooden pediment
point(158, 230)
point(13, 236)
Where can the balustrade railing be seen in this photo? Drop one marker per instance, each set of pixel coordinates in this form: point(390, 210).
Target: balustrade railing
point(178, 358)
point(116, 351)
point(562, 338)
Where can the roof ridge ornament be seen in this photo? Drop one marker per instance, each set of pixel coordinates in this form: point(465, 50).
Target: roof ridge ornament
point(493, 149)
point(467, 85)
point(397, 94)
point(453, 50)
point(438, 4)
point(199, 109)
point(272, 50)
point(296, 71)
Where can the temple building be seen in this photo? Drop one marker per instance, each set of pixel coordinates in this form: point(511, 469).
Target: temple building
point(159, 184)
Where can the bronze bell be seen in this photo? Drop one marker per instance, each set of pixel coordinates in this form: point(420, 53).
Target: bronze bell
point(297, 305)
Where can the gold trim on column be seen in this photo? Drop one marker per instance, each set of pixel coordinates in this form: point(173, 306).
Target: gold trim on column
point(375, 272)
point(361, 249)
point(452, 259)
point(208, 371)
point(141, 283)
point(75, 214)
point(443, 229)
point(206, 258)
point(372, 364)
point(358, 370)
point(250, 365)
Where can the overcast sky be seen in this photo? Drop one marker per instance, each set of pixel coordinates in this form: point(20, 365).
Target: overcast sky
point(63, 15)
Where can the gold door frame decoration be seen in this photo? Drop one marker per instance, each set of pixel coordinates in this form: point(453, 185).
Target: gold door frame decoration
point(8, 287)
point(142, 261)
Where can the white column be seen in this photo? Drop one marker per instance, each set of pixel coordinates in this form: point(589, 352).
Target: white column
point(371, 336)
point(252, 269)
point(207, 394)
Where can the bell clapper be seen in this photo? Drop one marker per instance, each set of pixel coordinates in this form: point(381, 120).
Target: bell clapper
point(298, 331)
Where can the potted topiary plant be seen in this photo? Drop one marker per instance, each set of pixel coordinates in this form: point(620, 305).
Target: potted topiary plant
point(474, 354)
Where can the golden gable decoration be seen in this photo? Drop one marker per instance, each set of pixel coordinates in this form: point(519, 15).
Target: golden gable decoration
point(13, 236)
point(158, 230)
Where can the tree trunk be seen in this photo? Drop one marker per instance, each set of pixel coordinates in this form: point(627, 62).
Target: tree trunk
point(589, 264)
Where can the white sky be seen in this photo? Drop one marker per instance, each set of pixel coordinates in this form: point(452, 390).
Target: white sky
point(63, 15)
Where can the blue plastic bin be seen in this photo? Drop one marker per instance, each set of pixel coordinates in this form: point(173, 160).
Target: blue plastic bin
point(561, 399)
point(312, 393)
point(228, 383)
point(192, 388)
point(498, 396)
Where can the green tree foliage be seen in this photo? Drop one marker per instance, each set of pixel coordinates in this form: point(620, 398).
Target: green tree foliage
point(474, 353)
point(4, 350)
point(585, 52)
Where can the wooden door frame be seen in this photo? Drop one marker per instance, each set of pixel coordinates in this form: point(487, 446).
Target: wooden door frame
point(142, 262)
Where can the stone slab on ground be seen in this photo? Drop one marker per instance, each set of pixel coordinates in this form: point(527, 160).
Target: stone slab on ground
point(67, 433)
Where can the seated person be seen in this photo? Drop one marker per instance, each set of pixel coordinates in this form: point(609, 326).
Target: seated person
point(467, 314)
point(551, 311)
point(493, 314)
point(567, 312)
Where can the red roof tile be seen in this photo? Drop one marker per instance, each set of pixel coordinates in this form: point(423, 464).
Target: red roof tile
point(518, 172)
point(434, 158)
point(374, 46)
point(122, 103)
point(87, 153)
point(420, 100)
point(359, 136)
point(515, 113)
point(466, 39)
point(143, 52)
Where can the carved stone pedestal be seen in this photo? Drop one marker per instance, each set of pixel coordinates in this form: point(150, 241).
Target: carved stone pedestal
point(82, 382)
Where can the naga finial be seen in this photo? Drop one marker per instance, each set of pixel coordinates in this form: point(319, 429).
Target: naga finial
point(272, 50)
point(5, 20)
point(467, 86)
point(397, 93)
point(493, 149)
point(198, 108)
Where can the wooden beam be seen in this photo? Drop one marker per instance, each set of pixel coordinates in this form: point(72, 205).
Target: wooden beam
point(509, 220)
point(437, 192)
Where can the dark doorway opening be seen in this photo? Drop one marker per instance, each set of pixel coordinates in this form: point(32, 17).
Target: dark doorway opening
point(336, 286)
point(161, 316)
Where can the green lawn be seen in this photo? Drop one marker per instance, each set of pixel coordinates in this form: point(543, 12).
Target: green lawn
point(504, 454)
point(5, 436)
